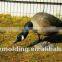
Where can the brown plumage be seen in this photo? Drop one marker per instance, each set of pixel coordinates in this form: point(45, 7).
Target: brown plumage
point(41, 21)
point(44, 20)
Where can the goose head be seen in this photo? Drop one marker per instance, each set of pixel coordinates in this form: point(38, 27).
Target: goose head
point(21, 36)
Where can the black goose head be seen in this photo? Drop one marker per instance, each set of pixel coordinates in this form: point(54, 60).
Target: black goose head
point(24, 32)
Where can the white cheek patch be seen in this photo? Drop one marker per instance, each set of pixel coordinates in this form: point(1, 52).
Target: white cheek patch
point(22, 37)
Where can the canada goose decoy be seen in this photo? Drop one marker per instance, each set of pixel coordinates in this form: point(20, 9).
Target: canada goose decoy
point(38, 23)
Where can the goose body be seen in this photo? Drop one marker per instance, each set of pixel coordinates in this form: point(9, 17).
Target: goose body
point(44, 20)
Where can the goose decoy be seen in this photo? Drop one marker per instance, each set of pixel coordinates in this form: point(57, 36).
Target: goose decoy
point(41, 24)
